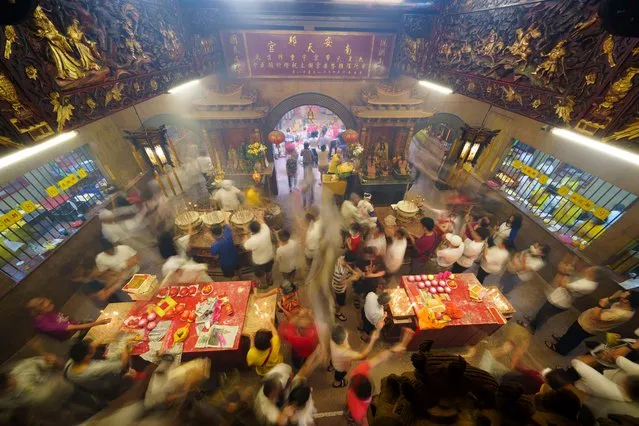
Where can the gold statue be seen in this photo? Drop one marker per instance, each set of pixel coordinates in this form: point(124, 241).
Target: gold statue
point(64, 109)
point(490, 46)
point(381, 150)
point(608, 48)
point(87, 52)
point(550, 66)
point(68, 67)
point(565, 108)
point(630, 132)
point(521, 46)
point(130, 27)
point(8, 94)
point(10, 38)
point(618, 91)
point(511, 95)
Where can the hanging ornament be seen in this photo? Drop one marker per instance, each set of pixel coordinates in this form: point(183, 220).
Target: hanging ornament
point(350, 136)
point(276, 137)
point(310, 115)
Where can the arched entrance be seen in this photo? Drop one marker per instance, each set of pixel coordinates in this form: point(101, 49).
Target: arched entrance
point(310, 98)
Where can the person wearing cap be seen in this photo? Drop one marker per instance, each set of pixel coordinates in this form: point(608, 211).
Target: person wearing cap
point(228, 197)
point(449, 251)
point(366, 208)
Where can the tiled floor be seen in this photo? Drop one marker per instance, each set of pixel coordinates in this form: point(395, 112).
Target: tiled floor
point(329, 401)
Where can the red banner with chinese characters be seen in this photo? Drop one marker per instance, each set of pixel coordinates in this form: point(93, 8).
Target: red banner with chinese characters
point(307, 54)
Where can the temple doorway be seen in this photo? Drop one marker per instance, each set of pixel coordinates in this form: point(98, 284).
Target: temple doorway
point(312, 124)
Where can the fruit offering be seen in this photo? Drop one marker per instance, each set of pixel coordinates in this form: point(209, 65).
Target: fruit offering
point(174, 291)
point(164, 291)
point(411, 278)
point(151, 317)
point(451, 277)
point(433, 290)
point(207, 289)
point(424, 277)
point(151, 325)
point(180, 308)
point(192, 290)
point(184, 291)
point(181, 334)
point(191, 316)
point(421, 284)
point(142, 323)
point(431, 277)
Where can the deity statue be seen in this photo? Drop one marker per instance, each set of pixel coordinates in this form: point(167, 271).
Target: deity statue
point(371, 171)
point(86, 48)
point(403, 166)
point(130, 28)
point(68, 67)
point(381, 150)
point(550, 66)
point(233, 162)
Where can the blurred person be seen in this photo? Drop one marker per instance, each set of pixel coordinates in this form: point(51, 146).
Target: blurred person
point(611, 312)
point(103, 378)
point(253, 195)
point(493, 259)
point(523, 265)
point(286, 255)
point(313, 143)
point(425, 244)
point(623, 385)
point(373, 313)
point(264, 352)
point(368, 263)
point(291, 170)
point(228, 197)
point(377, 239)
point(271, 396)
point(224, 249)
point(394, 256)
point(562, 297)
point(508, 230)
point(322, 161)
point(473, 247)
point(344, 274)
point(49, 321)
point(35, 385)
point(313, 234)
point(262, 253)
point(354, 238)
point(307, 159)
point(342, 356)
point(450, 249)
point(180, 267)
point(307, 187)
point(288, 300)
point(360, 389)
point(119, 259)
point(301, 334)
point(158, 211)
point(350, 213)
point(101, 288)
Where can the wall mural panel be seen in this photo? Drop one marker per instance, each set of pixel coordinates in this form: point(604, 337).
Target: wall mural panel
point(548, 60)
point(75, 62)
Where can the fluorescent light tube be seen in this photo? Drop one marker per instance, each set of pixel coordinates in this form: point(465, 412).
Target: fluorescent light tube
point(36, 149)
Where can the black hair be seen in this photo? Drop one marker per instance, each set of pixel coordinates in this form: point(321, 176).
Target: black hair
point(356, 227)
point(166, 246)
point(338, 334)
point(314, 134)
point(517, 221)
point(379, 226)
point(483, 232)
point(401, 232)
point(299, 395)
point(490, 241)
point(369, 250)
point(306, 145)
point(633, 298)
point(383, 298)
point(350, 257)
point(560, 377)
point(79, 351)
point(255, 227)
point(146, 194)
point(362, 386)
point(270, 385)
point(545, 251)
point(284, 235)
point(216, 230)
point(121, 201)
point(106, 244)
point(509, 245)
point(323, 148)
point(427, 223)
point(262, 340)
point(631, 386)
point(563, 402)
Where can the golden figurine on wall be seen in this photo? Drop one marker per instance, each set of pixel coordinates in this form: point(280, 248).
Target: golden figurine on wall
point(381, 151)
point(10, 37)
point(85, 48)
point(549, 68)
point(62, 108)
point(618, 91)
point(521, 46)
point(608, 49)
point(630, 132)
point(565, 108)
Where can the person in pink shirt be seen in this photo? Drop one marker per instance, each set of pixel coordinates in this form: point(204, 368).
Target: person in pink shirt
point(49, 321)
point(360, 389)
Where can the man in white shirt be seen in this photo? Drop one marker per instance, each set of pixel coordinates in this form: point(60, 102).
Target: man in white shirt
point(228, 197)
point(562, 297)
point(286, 255)
point(493, 259)
point(266, 406)
point(120, 259)
point(262, 253)
point(472, 247)
point(449, 251)
point(394, 256)
point(313, 236)
point(373, 313)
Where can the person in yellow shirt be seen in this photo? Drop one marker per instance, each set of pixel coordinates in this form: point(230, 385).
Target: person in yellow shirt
point(265, 350)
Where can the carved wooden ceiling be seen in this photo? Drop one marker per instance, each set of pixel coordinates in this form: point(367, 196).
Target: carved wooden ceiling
point(548, 60)
point(73, 62)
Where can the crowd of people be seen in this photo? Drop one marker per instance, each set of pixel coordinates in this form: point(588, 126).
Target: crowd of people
point(314, 267)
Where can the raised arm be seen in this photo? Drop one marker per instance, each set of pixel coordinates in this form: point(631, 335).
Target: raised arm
point(407, 335)
point(87, 325)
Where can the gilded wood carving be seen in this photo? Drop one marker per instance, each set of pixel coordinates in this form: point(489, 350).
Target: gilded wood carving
point(74, 62)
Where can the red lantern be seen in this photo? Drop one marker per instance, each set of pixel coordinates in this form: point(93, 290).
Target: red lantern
point(350, 136)
point(276, 137)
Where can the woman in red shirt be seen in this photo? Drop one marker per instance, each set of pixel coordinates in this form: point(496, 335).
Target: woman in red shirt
point(301, 334)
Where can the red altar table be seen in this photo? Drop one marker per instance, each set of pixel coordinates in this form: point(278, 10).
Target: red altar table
point(238, 293)
point(481, 318)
